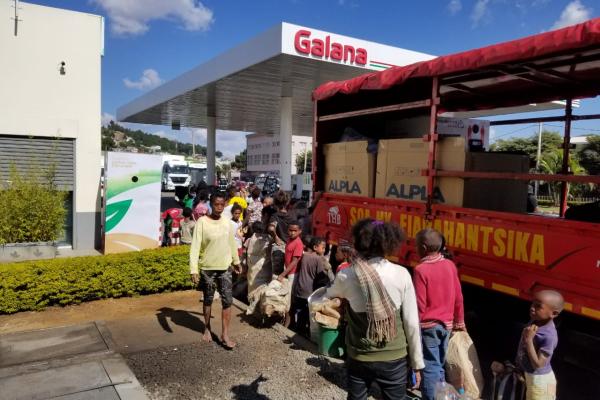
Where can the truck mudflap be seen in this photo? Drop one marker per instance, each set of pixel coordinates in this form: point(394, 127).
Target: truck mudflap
point(509, 253)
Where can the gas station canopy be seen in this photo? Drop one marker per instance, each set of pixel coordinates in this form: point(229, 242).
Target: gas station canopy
point(263, 86)
point(242, 87)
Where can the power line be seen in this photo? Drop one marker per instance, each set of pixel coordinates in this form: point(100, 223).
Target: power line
point(515, 131)
point(572, 127)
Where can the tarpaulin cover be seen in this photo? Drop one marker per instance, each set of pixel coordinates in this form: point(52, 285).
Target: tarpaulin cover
point(545, 44)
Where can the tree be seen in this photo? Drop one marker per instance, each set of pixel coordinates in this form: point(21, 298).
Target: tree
point(218, 154)
point(300, 162)
point(223, 171)
point(551, 163)
point(20, 222)
point(589, 155)
point(550, 142)
point(143, 140)
point(240, 161)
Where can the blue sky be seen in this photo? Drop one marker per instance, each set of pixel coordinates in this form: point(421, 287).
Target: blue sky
point(152, 41)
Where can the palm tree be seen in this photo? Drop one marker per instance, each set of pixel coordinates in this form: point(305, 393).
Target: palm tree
point(551, 163)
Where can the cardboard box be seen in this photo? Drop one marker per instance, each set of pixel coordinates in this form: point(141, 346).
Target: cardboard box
point(399, 165)
point(349, 169)
point(497, 194)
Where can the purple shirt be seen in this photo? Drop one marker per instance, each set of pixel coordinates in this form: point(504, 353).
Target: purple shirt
point(545, 340)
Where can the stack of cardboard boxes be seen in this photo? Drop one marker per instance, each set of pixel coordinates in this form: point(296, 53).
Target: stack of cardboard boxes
point(350, 170)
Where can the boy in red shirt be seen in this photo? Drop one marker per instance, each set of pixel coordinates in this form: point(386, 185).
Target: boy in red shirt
point(440, 304)
point(294, 249)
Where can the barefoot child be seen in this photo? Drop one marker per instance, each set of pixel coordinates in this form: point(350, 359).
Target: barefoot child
point(538, 341)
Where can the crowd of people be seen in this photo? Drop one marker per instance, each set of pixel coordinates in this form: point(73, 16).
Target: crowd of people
point(397, 325)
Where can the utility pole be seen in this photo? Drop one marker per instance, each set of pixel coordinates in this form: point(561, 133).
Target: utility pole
point(539, 155)
point(16, 17)
point(305, 157)
point(193, 145)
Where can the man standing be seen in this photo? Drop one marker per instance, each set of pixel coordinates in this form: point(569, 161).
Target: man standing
point(440, 303)
point(214, 246)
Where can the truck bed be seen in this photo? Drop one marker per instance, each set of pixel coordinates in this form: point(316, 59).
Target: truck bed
point(515, 254)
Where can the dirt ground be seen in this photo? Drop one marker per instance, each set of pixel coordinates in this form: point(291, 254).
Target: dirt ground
point(100, 310)
point(159, 335)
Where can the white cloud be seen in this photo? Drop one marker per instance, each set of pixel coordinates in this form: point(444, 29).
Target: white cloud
point(132, 17)
point(106, 118)
point(149, 80)
point(574, 13)
point(454, 7)
point(480, 11)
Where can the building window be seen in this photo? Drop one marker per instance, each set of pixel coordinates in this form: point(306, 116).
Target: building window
point(275, 158)
point(265, 159)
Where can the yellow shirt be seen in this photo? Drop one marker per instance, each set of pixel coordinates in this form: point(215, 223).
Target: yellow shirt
point(213, 245)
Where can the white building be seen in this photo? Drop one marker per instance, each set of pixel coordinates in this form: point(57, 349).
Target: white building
point(50, 89)
point(263, 153)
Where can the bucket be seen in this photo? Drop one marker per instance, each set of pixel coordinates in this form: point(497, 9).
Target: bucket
point(331, 342)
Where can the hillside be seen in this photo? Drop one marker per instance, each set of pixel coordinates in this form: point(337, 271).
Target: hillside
point(118, 138)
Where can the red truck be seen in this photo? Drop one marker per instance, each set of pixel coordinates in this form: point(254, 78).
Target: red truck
point(511, 253)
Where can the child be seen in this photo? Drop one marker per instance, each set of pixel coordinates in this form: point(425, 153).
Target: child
point(188, 200)
point(312, 273)
point(236, 214)
point(254, 211)
point(171, 219)
point(344, 254)
point(440, 304)
point(294, 249)
point(187, 226)
point(202, 206)
point(538, 341)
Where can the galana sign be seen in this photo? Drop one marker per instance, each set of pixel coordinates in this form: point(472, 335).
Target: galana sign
point(327, 50)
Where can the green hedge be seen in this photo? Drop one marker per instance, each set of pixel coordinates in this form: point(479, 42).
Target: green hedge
point(34, 285)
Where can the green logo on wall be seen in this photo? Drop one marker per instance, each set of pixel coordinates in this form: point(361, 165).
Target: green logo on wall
point(115, 213)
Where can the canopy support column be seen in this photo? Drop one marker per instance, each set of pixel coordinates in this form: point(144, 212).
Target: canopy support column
point(211, 148)
point(285, 144)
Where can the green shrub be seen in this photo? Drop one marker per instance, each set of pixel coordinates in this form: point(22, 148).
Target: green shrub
point(34, 285)
point(31, 207)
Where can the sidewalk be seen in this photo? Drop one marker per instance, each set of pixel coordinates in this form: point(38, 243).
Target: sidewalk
point(72, 362)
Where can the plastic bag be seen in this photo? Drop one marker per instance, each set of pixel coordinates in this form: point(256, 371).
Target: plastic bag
point(259, 265)
point(462, 365)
